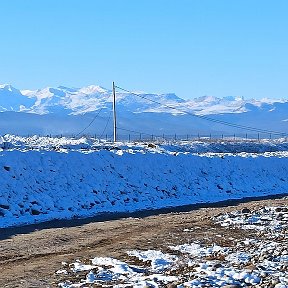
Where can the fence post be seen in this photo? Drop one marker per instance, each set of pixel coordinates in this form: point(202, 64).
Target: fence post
point(258, 137)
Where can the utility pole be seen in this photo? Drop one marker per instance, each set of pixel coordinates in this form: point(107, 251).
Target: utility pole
point(114, 114)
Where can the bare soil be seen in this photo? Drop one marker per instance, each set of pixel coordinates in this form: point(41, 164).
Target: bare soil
point(31, 259)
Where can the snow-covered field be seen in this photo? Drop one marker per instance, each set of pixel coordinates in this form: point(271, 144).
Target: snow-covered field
point(50, 178)
point(259, 262)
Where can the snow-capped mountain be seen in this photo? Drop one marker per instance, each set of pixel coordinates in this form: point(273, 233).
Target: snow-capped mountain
point(68, 100)
point(91, 98)
point(12, 99)
point(149, 112)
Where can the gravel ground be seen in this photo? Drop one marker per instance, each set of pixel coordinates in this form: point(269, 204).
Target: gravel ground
point(32, 259)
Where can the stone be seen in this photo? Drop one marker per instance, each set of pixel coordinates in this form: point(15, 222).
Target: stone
point(250, 267)
point(245, 211)
point(172, 285)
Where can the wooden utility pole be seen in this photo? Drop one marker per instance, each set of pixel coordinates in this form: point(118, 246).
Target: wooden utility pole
point(114, 114)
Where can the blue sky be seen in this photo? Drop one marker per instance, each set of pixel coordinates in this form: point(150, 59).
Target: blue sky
point(190, 47)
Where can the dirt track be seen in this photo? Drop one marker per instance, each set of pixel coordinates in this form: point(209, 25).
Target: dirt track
point(30, 260)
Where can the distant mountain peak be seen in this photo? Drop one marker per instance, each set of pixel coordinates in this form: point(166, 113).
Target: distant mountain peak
point(9, 88)
point(173, 97)
point(233, 98)
point(93, 89)
point(6, 86)
point(68, 89)
point(139, 111)
point(91, 98)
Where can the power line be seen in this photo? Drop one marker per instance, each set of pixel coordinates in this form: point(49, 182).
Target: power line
point(133, 131)
point(244, 127)
point(90, 123)
point(94, 118)
point(109, 117)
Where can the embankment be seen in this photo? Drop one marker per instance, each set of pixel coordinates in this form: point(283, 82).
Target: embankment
point(38, 186)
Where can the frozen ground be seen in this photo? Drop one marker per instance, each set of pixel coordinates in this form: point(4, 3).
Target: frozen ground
point(260, 262)
point(30, 256)
point(50, 178)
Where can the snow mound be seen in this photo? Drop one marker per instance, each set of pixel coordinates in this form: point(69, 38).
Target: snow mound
point(45, 178)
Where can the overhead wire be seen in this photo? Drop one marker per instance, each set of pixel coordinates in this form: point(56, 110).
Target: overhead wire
point(136, 132)
point(94, 118)
point(109, 117)
point(238, 126)
point(91, 122)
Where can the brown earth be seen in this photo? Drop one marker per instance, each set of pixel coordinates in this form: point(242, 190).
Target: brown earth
point(31, 259)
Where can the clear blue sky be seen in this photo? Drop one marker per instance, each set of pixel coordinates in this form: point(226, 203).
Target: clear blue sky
point(190, 47)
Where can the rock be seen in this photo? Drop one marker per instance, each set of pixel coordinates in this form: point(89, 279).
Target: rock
point(263, 274)
point(35, 212)
point(281, 209)
point(245, 211)
point(275, 281)
point(172, 285)
point(280, 216)
point(250, 267)
point(151, 145)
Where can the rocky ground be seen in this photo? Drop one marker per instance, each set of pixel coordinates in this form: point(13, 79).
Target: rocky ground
point(234, 246)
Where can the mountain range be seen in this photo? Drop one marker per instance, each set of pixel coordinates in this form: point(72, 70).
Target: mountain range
point(64, 110)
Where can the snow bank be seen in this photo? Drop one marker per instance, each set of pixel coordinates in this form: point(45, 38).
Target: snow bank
point(204, 145)
point(43, 185)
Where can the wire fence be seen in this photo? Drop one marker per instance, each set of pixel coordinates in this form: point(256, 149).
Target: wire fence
point(145, 137)
point(193, 137)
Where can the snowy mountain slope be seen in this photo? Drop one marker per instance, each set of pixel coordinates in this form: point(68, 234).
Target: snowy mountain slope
point(69, 109)
point(92, 98)
point(12, 99)
point(68, 100)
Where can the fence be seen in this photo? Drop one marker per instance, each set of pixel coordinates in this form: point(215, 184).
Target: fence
point(139, 137)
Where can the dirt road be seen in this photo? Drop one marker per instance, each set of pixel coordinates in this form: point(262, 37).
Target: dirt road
point(30, 260)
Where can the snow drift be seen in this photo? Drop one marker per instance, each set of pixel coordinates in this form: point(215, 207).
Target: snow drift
point(40, 185)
